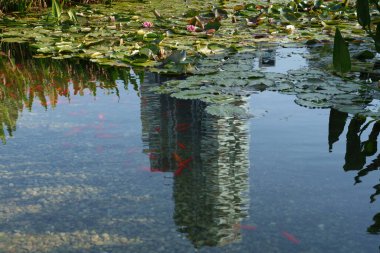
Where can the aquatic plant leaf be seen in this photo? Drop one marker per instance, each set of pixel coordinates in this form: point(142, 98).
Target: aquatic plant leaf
point(227, 110)
point(213, 25)
point(72, 16)
point(319, 100)
point(364, 55)
point(191, 94)
point(362, 10)
point(312, 104)
point(56, 10)
point(377, 38)
point(341, 55)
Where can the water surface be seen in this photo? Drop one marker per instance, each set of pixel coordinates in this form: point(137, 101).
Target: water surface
point(96, 162)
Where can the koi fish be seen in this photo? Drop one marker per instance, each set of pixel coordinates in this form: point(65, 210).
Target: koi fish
point(182, 127)
point(182, 165)
point(181, 145)
point(177, 158)
point(179, 171)
point(290, 237)
point(185, 163)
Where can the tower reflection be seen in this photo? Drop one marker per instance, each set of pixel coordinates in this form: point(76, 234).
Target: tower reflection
point(209, 160)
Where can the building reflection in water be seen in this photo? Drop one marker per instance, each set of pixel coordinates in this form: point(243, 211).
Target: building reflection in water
point(208, 157)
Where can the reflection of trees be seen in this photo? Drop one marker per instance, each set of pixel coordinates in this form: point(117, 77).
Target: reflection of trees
point(24, 80)
point(375, 228)
point(357, 150)
point(209, 190)
point(337, 121)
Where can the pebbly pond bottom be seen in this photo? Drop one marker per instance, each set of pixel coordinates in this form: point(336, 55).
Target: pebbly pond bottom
point(96, 162)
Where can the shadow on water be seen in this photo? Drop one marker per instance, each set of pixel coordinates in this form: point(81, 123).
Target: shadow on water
point(208, 156)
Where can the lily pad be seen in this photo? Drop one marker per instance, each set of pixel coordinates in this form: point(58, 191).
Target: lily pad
point(228, 110)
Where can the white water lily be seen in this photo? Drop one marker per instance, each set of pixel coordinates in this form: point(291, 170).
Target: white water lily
point(290, 29)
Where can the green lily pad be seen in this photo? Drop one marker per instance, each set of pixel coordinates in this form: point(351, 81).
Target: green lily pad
point(227, 110)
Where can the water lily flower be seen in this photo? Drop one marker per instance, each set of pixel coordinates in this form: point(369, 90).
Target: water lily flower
point(147, 24)
point(290, 29)
point(191, 28)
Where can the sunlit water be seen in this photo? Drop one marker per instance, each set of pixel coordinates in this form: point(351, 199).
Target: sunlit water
point(140, 172)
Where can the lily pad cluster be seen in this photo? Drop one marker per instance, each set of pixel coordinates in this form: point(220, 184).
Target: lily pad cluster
point(224, 85)
point(146, 34)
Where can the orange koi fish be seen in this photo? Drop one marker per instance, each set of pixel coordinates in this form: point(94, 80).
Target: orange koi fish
point(181, 145)
point(185, 163)
point(290, 237)
point(177, 158)
point(182, 165)
point(179, 171)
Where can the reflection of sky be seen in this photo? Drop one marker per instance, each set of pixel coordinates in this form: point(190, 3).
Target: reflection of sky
point(374, 106)
point(294, 172)
point(284, 59)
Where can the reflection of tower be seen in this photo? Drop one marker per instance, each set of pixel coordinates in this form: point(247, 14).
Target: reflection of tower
point(210, 200)
point(267, 57)
point(209, 158)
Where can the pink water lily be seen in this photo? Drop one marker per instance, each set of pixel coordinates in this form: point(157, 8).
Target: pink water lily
point(191, 28)
point(147, 24)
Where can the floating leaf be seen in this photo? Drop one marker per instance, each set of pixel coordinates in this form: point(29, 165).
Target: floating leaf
point(215, 24)
point(191, 94)
point(227, 110)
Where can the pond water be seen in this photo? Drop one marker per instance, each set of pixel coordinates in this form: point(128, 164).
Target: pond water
point(96, 162)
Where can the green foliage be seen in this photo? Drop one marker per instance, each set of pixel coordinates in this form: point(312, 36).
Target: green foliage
point(362, 10)
point(376, 38)
point(341, 55)
point(59, 15)
point(18, 5)
point(57, 9)
point(26, 5)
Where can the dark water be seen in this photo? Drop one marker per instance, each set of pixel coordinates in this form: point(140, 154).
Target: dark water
point(105, 165)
